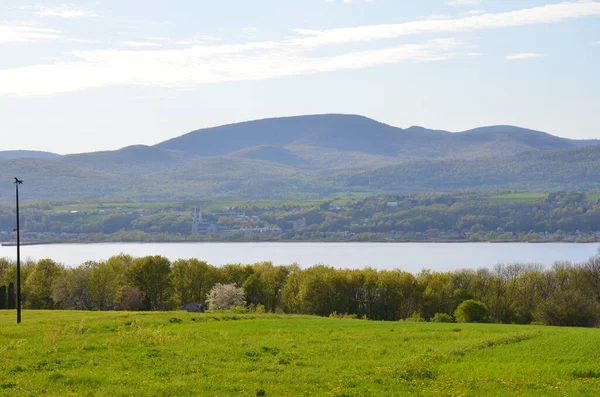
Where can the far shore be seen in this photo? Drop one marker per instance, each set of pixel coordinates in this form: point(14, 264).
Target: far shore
point(30, 243)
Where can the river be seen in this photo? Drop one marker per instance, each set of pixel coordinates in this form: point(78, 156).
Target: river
point(411, 257)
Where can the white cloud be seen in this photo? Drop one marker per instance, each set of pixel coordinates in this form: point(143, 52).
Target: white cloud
point(185, 68)
point(524, 55)
point(475, 12)
point(463, 2)
point(20, 33)
point(347, 1)
point(531, 16)
point(67, 11)
point(200, 65)
point(197, 40)
point(140, 44)
point(438, 16)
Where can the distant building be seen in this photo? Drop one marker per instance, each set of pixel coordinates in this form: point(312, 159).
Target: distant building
point(196, 221)
point(196, 307)
point(391, 204)
point(199, 227)
point(298, 223)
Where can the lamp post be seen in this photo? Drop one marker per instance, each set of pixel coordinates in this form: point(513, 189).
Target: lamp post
point(17, 183)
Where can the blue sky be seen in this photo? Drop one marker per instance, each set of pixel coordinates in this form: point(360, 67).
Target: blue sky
point(99, 75)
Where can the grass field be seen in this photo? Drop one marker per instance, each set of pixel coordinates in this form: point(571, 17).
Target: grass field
point(211, 205)
point(531, 197)
point(61, 353)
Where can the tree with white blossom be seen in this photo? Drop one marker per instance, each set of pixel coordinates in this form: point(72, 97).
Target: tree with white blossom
point(224, 296)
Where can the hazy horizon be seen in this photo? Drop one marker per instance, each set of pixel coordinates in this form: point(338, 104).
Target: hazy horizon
point(275, 117)
point(88, 76)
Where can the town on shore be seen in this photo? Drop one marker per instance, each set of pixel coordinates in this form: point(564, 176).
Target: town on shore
point(457, 217)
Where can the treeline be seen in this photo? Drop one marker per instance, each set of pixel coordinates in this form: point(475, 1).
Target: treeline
point(565, 294)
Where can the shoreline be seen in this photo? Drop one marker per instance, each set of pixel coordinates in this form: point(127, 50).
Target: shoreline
point(32, 243)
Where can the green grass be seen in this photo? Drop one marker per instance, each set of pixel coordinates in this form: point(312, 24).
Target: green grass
point(213, 205)
point(221, 204)
point(593, 197)
point(59, 353)
point(531, 197)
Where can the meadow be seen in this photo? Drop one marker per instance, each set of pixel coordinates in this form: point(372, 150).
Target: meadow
point(64, 353)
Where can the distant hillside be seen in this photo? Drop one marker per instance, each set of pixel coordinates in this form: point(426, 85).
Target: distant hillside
point(311, 156)
point(502, 141)
point(565, 169)
point(46, 179)
point(132, 160)
point(351, 133)
point(30, 154)
point(272, 153)
point(222, 176)
point(345, 132)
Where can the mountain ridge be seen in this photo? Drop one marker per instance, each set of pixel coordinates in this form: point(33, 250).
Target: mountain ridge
point(310, 156)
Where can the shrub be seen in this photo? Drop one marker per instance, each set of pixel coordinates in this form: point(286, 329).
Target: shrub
point(471, 311)
point(568, 309)
point(442, 318)
point(224, 296)
point(239, 309)
point(343, 316)
point(257, 308)
point(415, 318)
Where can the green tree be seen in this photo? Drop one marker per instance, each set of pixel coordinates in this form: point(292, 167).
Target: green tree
point(11, 302)
point(3, 302)
point(39, 284)
point(152, 276)
point(471, 311)
point(322, 290)
point(438, 293)
point(192, 280)
point(106, 280)
point(71, 289)
point(265, 284)
point(236, 273)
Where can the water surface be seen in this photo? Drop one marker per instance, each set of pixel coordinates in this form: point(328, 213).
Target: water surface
point(411, 257)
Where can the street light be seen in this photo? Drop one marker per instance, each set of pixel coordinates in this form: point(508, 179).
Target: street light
point(17, 183)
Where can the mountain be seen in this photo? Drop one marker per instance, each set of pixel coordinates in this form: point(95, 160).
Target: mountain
point(219, 176)
point(272, 153)
point(345, 132)
point(47, 179)
point(29, 154)
point(505, 140)
point(532, 171)
point(310, 156)
point(351, 133)
point(132, 160)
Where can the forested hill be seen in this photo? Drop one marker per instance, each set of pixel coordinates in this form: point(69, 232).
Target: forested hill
point(531, 171)
point(361, 134)
point(33, 154)
point(310, 156)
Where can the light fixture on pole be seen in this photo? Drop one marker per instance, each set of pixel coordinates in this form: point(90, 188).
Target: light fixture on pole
point(17, 183)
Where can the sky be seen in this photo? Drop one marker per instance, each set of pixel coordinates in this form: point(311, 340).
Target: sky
point(101, 75)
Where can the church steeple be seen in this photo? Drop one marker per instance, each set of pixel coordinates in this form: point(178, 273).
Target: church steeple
point(196, 221)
